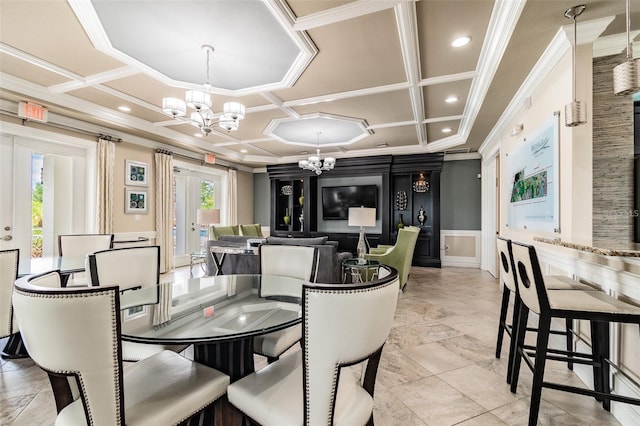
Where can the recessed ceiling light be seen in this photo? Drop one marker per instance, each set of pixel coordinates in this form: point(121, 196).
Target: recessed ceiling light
point(124, 108)
point(382, 145)
point(446, 130)
point(304, 152)
point(197, 135)
point(461, 41)
point(451, 99)
point(244, 151)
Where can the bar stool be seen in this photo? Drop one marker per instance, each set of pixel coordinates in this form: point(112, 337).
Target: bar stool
point(594, 306)
point(509, 286)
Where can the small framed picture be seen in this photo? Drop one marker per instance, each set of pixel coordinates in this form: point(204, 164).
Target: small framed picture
point(136, 173)
point(135, 201)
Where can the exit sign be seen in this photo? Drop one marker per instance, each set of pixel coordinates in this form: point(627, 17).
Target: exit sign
point(210, 158)
point(33, 112)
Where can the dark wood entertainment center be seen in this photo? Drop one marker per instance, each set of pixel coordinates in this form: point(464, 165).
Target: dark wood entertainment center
point(397, 173)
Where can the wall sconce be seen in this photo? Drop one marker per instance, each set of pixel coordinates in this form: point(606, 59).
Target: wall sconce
point(421, 185)
point(517, 129)
point(575, 113)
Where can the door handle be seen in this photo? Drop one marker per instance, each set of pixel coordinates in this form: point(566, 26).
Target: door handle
point(7, 238)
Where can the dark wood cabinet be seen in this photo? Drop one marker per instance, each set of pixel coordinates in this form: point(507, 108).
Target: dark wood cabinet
point(399, 174)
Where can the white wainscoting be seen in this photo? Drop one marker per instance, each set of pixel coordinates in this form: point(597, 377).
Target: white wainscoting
point(460, 248)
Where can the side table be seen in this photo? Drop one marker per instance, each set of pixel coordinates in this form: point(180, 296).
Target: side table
point(360, 271)
point(197, 258)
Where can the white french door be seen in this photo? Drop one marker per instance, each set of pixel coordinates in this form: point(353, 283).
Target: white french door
point(194, 187)
point(45, 191)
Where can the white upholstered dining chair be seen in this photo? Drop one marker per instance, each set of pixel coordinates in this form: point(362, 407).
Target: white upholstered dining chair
point(163, 389)
point(79, 246)
point(130, 268)
point(8, 273)
point(289, 261)
point(332, 379)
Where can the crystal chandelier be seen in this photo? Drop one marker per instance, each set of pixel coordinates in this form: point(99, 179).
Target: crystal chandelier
point(203, 118)
point(315, 163)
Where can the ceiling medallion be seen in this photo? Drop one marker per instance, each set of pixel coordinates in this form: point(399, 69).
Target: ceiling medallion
point(200, 101)
point(315, 163)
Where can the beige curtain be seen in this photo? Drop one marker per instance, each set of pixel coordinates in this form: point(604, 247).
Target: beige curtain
point(232, 194)
point(164, 208)
point(104, 192)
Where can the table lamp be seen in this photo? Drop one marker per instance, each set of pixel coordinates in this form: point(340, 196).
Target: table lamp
point(362, 216)
point(207, 217)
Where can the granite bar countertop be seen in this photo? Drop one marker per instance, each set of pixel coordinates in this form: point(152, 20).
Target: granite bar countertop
point(618, 249)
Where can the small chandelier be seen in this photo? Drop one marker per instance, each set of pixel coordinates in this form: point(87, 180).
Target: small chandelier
point(315, 163)
point(575, 113)
point(421, 185)
point(626, 76)
point(203, 118)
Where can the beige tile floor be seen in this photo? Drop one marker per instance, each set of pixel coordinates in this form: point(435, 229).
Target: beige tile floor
point(438, 367)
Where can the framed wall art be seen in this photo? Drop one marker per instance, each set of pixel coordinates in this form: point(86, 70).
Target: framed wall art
point(135, 201)
point(136, 173)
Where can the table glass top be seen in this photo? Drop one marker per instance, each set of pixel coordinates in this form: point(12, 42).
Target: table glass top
point(210, 309)
point(355, 262)
point(37, 265)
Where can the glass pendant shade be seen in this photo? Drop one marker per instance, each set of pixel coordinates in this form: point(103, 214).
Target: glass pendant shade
point(197, 99)
point(575, 113)
point(626, 78)
point(174, 107)
point(625, 75)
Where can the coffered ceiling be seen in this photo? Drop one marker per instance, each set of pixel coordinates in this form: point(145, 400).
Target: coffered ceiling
point(356, 78)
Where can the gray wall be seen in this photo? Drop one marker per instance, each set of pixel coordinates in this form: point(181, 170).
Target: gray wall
point(612, 157)
point(460, 195)
point(261, 199)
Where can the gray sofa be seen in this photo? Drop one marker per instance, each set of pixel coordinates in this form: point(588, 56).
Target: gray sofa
point(329, 259)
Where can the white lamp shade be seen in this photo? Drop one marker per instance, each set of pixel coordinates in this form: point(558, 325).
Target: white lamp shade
point(174, 107)
point(207, 216)
point(234, 110)
point(198, 100)
point(362, 216)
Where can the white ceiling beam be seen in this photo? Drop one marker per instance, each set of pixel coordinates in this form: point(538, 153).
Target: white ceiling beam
point(408, 33)
point(342, 13)
point(95, 79)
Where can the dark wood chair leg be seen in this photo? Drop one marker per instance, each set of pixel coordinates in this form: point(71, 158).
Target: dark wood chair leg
point(569, 338)
point(523, 316)
point(513, 348)
point(544, 326)
point(503, 318)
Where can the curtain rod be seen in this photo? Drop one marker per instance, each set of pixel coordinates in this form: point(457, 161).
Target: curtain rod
point(187, 157)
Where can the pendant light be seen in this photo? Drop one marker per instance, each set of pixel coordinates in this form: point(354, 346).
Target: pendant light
point(625, 75)
point(575, 113)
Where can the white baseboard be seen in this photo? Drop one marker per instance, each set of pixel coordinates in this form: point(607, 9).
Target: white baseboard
point(465, 254)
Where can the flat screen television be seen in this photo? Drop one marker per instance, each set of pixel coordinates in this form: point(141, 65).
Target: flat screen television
point(336, 200)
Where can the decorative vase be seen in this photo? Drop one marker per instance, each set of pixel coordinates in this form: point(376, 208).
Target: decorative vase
point(400, 223)
point(287, 218)
point(422, 217)
point(301, 199)
point(301, 219)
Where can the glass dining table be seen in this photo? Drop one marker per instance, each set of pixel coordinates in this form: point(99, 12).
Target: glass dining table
point(219, 315)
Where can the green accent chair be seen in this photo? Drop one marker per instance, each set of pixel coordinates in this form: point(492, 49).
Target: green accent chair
point(217, 231)
point(253, 230)
point(399, 255)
